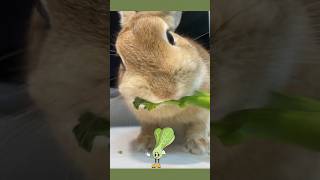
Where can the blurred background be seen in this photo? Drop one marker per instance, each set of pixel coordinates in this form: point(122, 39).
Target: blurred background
point(27, 148)
point(14, 22)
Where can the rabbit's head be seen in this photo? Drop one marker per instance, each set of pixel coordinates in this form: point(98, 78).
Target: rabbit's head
point(158, 64)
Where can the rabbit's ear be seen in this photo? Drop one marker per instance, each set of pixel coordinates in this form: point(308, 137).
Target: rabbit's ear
point(173, 19)
point(125, 16)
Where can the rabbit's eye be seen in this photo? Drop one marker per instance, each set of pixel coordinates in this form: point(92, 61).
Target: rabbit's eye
point(170, 38)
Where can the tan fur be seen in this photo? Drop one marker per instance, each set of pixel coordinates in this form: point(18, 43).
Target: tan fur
point(69, 75)
point(158, 71)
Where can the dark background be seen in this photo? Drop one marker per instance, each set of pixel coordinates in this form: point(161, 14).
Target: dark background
point(193, 24)
point(14, 16)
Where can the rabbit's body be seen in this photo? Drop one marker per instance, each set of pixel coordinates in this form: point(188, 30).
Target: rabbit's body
point(156, 70)
point(264, 46)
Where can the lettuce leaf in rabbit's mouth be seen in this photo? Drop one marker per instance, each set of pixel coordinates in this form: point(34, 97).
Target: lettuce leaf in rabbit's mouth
point(199, 98)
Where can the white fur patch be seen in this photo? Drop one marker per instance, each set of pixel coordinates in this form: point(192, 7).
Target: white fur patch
point(197, 83)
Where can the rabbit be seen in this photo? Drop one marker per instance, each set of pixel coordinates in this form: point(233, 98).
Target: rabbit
point(68, 75)
point(159, 65)
point(261, 46)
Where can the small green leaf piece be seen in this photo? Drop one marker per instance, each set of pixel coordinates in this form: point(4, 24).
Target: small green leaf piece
point(89, 127)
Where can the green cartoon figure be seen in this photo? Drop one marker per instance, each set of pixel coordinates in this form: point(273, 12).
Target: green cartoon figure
point(164, 137)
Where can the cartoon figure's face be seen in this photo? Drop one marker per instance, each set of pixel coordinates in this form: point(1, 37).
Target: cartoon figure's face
point(157, 153)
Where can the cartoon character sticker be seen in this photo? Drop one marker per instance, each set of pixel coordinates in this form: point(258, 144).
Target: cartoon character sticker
point(164, 137)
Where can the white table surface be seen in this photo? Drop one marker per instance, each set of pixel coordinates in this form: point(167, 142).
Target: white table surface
point(176, 157)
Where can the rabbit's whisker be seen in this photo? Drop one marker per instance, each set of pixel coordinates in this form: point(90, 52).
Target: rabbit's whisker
point(11, 54)
point(201, 36)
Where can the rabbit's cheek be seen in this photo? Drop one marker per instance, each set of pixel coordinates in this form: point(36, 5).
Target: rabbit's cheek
point(199, 79)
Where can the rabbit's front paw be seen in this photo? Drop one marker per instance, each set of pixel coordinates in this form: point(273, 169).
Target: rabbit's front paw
point(198, 145)
point(144, 143)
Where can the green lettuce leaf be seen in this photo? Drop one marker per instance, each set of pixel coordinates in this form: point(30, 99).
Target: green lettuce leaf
point(199, 98)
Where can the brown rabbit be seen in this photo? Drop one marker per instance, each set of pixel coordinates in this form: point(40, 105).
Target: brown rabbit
point(159, 65)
